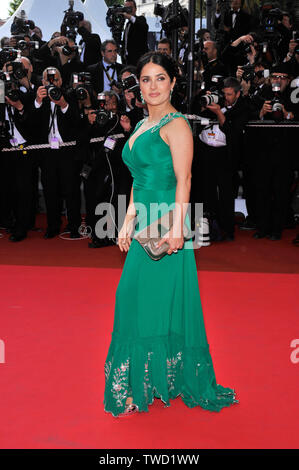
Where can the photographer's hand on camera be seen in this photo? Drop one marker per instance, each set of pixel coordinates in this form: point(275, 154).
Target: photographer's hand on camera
point(267, 108)
point(41, 94)
point(246, 39)
point(216, 109)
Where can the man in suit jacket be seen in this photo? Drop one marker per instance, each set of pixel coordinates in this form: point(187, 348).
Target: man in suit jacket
point(103, 73)
point(57, 122)
point(90, 43)
point(236, 21)
point(220, 149)
point(135, 35)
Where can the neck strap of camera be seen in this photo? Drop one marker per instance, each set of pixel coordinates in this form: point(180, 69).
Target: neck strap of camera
point(11, 121)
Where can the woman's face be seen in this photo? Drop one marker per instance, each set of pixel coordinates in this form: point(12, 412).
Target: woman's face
point(155, 84)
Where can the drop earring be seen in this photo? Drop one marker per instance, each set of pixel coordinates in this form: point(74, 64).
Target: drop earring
point(142, 99)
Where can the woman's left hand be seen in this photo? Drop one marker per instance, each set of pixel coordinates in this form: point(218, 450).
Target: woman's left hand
point(175, 244)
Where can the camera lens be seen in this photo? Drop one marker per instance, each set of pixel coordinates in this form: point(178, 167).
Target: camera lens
point(54, 92)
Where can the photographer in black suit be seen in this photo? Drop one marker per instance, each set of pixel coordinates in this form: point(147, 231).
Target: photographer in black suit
point(219, 149)
point(90, 43)
point(275, 156)
point(236, 21)
point(57, 121)
point(105, 175)
point(17, 167)
point(135, 35)
point(105, 72)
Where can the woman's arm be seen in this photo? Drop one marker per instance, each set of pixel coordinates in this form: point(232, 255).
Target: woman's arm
point(124, 235)
point(178, 136)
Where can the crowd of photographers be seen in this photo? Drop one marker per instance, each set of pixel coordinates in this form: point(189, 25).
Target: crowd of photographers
point(70, 104)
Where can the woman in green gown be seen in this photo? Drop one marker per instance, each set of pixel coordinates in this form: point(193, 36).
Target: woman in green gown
point(159, 346)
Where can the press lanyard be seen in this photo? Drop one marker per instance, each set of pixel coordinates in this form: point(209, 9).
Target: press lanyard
point(52, 119)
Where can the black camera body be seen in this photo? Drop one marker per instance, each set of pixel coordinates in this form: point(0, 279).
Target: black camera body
point(8, 54)
point(102, 115)
point(83, 87)
point(71, 21)
point(171, 20)
point(11, 88)
point(22, 45)
point(20, 26)
point(53, 91)
point(277, 103)
point(115, 20)
point(215, 94)
point(68, 50)
point(249, 74)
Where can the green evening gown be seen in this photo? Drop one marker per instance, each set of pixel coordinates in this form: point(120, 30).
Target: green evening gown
point(159, 346)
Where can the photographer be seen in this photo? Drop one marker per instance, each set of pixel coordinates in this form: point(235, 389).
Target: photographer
point(219, 151)
point(213, 66)
point(236, 21)
point(133, 107)
point(57, 121)
point(17, 167)
point(105, 73)
point(274, 169)
point(134, 42)
point(90, 43)
point(105, 176)
point(242, 51)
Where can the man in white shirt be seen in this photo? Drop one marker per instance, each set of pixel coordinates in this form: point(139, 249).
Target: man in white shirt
point(57, 122)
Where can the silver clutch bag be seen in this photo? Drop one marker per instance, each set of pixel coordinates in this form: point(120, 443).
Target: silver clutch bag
point(150, 236)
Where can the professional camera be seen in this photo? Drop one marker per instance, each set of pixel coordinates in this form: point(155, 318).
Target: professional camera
point(248, 74)
point(8, 54)
point(11, 88)
point(22, 45)
point(71, 21)
point(216, 95)
point(271, 20)
point(21, 26)
point(276, 102)
point(102, 115)
point(68, 50)
point(130, 84)
point(16, 70)
point(83, 87)
point(53, 91)
point(115, 20)
point(171, 20)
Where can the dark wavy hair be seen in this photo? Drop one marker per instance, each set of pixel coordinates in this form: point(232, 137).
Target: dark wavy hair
point(165, 61)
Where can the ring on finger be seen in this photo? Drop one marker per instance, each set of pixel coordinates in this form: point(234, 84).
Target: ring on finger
point(175, 251)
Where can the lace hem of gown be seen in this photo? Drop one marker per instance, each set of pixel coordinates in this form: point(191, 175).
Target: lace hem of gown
point(162, 368)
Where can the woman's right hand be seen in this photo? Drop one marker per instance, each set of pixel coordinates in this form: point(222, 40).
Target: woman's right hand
point(124, 235)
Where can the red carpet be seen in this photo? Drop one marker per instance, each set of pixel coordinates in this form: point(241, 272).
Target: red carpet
point(56, 324)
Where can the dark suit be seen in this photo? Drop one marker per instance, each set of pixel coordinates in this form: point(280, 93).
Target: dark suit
point(60, 171)
point(92, 46)
point(136, 40)
point(242, 26)
point(218, 165)
point(97, 75)
point(17, 171)
point(214, 67)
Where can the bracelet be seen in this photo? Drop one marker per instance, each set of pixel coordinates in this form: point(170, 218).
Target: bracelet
point(87, 107)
